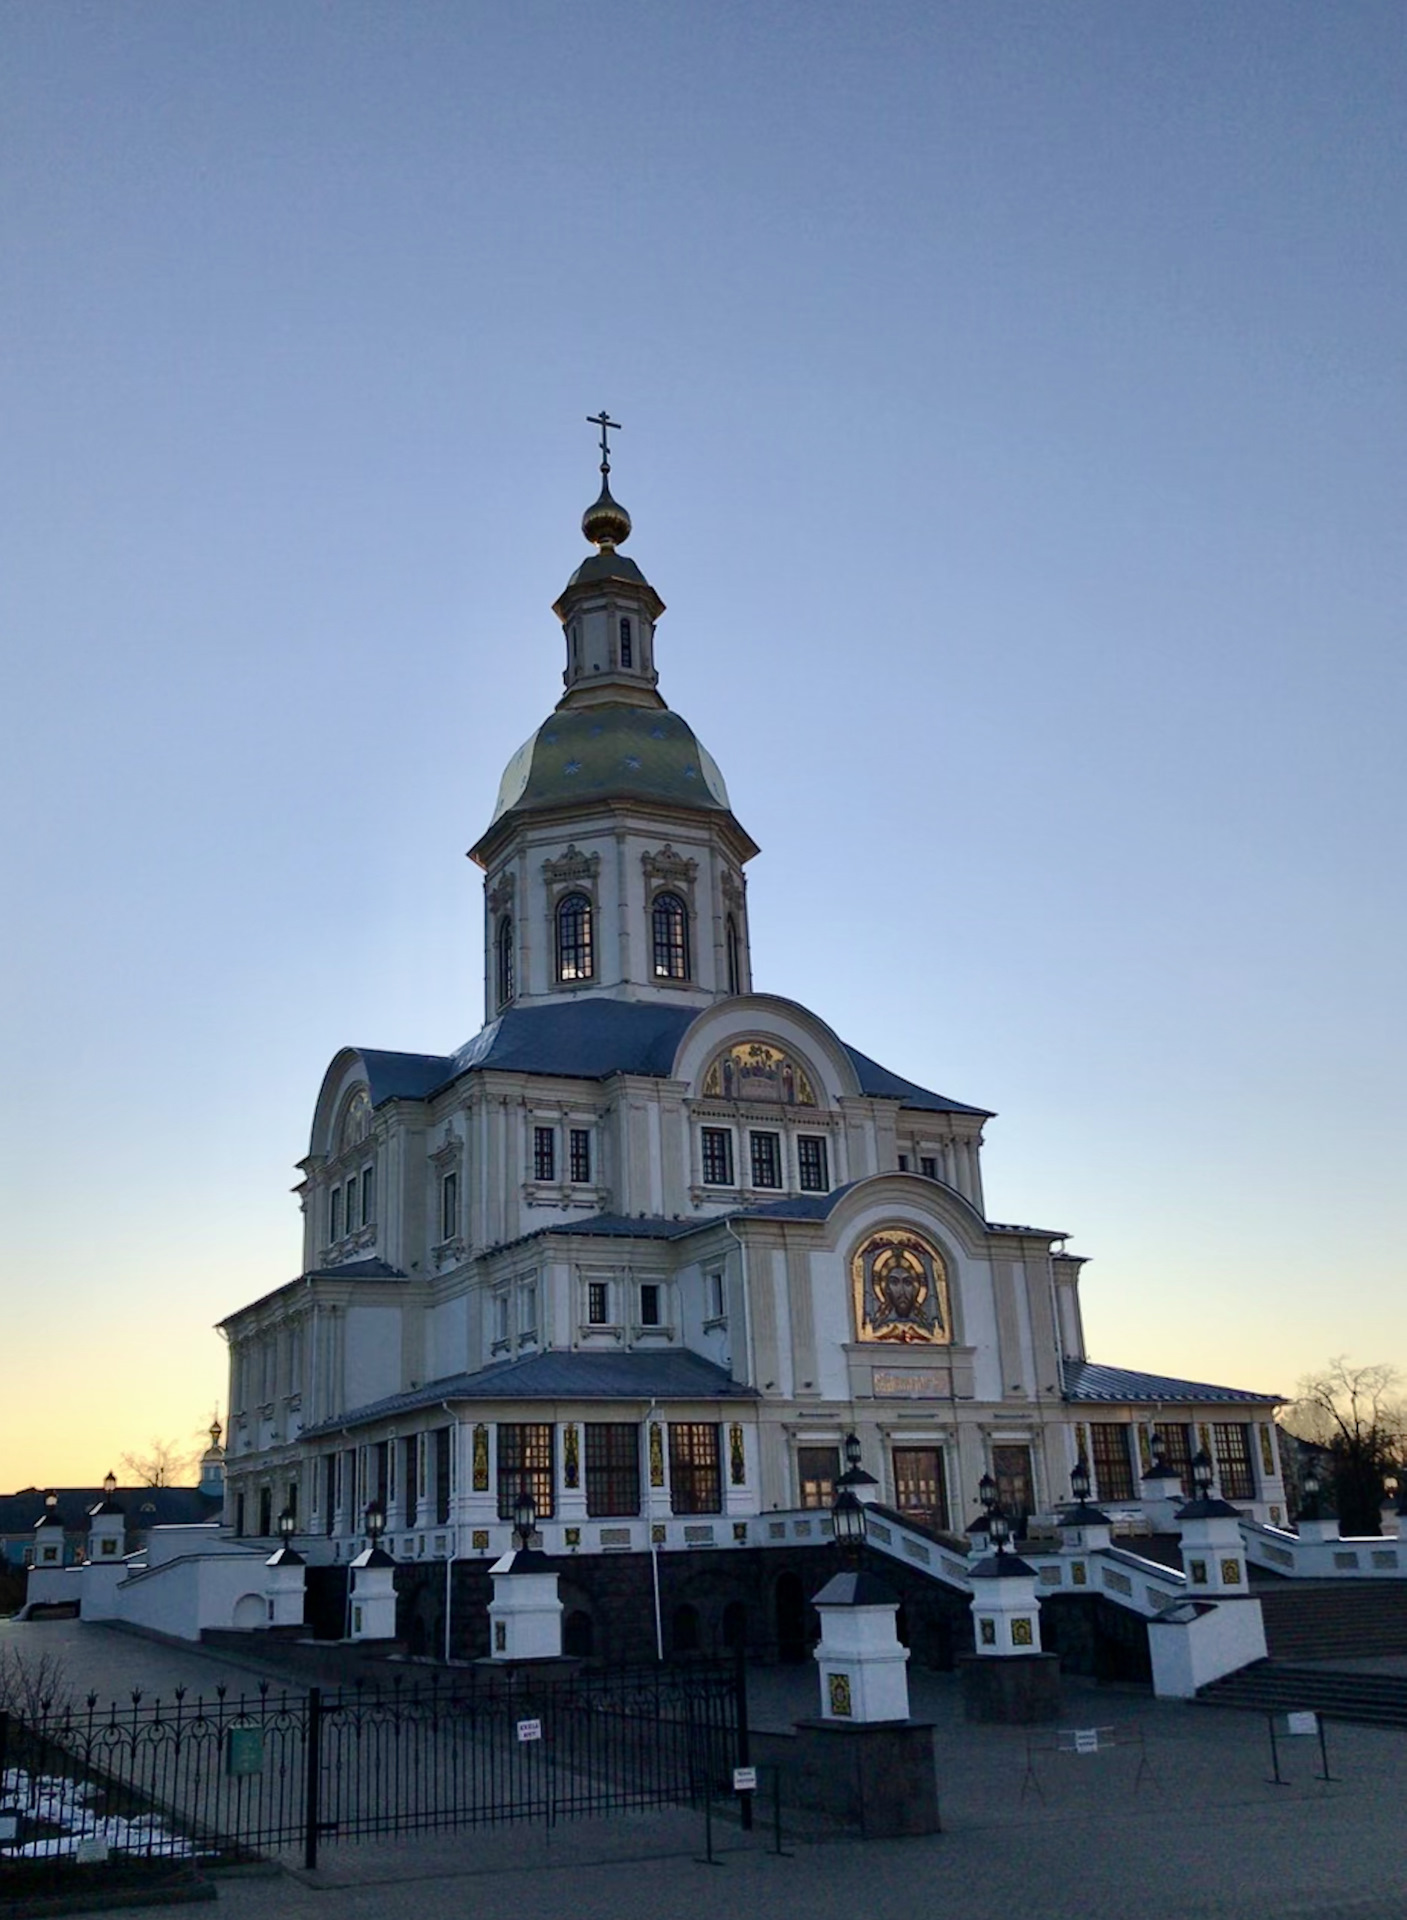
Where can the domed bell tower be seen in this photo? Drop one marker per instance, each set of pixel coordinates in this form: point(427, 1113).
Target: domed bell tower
point(608, 609)
point(613, 865)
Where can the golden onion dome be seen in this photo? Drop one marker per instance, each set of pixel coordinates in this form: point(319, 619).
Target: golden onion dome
point(606, 523)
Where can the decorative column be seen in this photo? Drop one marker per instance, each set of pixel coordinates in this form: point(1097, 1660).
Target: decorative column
point(571, 1475)
point(481, 1500)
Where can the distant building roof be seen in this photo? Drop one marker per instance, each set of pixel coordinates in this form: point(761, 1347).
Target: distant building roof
point(1084, 1380)
point(142, 1507)
point(561, 1376)
point(590, 1039)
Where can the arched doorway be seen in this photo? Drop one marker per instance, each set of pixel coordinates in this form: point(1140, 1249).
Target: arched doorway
point(789, 1604)
point(684, 1629)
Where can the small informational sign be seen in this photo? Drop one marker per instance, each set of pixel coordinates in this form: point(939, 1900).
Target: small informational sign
point(92, 1852)
point(529, 1729)
point(745, 1779)
point(1302, 1723)
point(244, 1752)
point(1087, 1739)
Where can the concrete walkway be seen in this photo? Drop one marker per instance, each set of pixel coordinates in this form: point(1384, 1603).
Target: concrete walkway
point(1174, 1818)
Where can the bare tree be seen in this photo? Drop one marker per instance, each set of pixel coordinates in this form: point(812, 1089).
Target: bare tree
point(1358, 1416)
point(164, 1463)
point(33, 1685)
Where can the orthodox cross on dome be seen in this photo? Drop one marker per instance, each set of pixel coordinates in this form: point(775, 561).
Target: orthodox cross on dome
point(604, 421)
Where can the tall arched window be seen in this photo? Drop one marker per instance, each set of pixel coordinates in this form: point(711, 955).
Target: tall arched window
point(671, 937)
point(575, 960)
point(505, 959)
point(735, 971)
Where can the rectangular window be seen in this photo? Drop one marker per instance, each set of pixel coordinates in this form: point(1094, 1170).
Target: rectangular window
point(717, 1157)
point(696, 1484)
point(527, 1309)
point(1110, 1462)
point(500, 1319)
point(649, 1306)
point(612, 1470)
point(811, 1163)
point(626, 649)
point(766, 1160)
point(580, 1142)
point(544, 1153)
point(928, 1167)
point(716, 1295)
point(408, 1480)
point(598, 1304)
point(816, 1471)
point(903, 1163)
point(449, 1206)
point(1232, 1445)
point(444, 1442)
point(368, 1196)
point(334, 1231)
point(331, 1469)
point(353, 1194)
point(524, 1460)
point(1176, 1450)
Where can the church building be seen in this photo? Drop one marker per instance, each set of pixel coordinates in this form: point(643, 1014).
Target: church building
point(653, 1244)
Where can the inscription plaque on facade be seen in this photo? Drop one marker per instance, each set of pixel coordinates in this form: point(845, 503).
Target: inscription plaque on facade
point(914, 1383)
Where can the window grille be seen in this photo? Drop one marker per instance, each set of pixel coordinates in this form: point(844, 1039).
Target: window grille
point(671, 931)
point(1232, 1445)
point(817, 1469)
point(811, 1163)
point(575, 959)
point(580, 1144)
point(598, 1304)
point(544, 1153)
point(1111, 1461)
point(612, 1469)
point(505, 960)
point(696, 1484)
point(649, 1305)
point(766, 1160)
point(717, 1157)
point(525, 1459)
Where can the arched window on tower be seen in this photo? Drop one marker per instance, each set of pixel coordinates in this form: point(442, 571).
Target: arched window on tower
point(671, 937)
point(735, 971)
point(504, 958)
point(575, 960)
point(627, 649)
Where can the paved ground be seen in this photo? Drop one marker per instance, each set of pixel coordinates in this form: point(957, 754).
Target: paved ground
point(1175, 1820)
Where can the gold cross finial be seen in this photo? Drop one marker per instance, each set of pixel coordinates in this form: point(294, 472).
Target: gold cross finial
point(604, 421)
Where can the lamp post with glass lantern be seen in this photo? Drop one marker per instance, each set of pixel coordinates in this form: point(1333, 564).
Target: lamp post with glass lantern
point(525, 1614)
point(1213, 1553)
point(107, 1526)
point(286, 1576)
point(1007, 1678)
point(373, 1595)
point(860, 1658)
point(855, 1481)
point(1083, 1528)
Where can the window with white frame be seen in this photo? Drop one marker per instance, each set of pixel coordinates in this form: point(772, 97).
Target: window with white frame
point(598, 1303)
point(717, 1156)
point(650, 1304)
point(449, 1206)
point(544, 1153)
point(766, 1156)
point(579, 1155)
point(811, 1167)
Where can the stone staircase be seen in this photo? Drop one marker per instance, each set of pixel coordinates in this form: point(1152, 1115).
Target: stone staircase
point(1274, 1686)
point(1334, 1619)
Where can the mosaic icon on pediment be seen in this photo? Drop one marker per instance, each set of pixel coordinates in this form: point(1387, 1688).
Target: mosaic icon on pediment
point(752, 1070)
point(900, 1286)
point(356, 1120)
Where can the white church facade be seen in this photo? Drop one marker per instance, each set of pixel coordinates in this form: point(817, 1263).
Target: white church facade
point(653, 1244)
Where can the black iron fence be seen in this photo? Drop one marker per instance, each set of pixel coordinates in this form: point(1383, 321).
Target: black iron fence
point(237, 1775)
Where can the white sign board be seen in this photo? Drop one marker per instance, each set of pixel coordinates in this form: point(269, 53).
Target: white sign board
point(9, 1826)
point(90, 1851)
point(1087, 1739)
point(529, 1729)
point(1302, 1723)
point(745, 1779)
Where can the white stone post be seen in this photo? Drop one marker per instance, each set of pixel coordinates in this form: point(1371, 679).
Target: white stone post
point(525, 1614)
point(373, 1595)
point(284, 1588)
point(1213, 1552)
point(861, 1660)
point(1006, 1615)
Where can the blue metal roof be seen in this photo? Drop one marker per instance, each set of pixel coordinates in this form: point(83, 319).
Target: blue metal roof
point(1084, 1380)
point(558, 1375)
point(590, 1039)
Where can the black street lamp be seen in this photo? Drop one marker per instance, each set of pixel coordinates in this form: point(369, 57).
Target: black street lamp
point(998, 1529)
point(286, 1524)
point(852, 1450)
point(1080, 1481)
point(1202, 1474)
point(375, 1522)
point(109, 1484)
point(1310, 1488)
point(848, 1525)
point(987, 1492)
point(524, 1516)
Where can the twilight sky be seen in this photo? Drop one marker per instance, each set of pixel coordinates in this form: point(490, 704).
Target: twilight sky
point(1013, 406)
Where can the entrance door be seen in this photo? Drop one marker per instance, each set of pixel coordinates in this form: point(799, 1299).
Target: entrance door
point(1011, 1469)
point(919, 1492)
